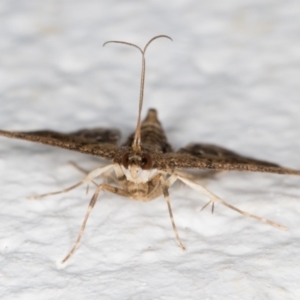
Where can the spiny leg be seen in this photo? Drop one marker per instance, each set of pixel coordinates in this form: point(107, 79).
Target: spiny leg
point(167, 198)
point(88, 179)
point(212, 206)
point(77, 167)
point(56, 192)
point(90, 207)
point(254, 216)
point(92, 203)
point(214, 198)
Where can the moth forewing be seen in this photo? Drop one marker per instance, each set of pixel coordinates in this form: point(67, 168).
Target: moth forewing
point(145, 166)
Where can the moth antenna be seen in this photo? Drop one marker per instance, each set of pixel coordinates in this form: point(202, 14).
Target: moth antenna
point(136, 145)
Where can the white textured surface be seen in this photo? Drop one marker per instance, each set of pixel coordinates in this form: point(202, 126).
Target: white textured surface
point(230, 77)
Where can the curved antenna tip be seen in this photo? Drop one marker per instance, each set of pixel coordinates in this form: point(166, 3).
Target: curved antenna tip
point(130, 44)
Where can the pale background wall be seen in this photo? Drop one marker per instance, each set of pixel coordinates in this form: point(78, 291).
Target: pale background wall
point(230, 77)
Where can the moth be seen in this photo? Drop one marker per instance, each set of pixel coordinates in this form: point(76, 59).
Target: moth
point(145, 166)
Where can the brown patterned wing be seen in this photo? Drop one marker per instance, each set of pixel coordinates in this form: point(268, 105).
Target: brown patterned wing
point(99, 135)
point(98, 141)
point(218, 153)
point(211, 157)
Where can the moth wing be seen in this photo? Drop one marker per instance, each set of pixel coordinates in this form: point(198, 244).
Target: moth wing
point(209, 151)
point(211, 157)
point(99, 135)
point(98, 141)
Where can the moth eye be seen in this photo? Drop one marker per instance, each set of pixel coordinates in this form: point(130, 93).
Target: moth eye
point(125, 160)
point(146, 162)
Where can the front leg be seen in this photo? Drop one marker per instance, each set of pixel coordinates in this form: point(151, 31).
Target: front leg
point(106, 187)
point(160, 186)
point(88, 179)
point(165, 190)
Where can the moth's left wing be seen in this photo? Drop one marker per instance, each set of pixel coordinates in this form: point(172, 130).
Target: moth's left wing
point(211, 157)
point(98, 135)
point(98, 141)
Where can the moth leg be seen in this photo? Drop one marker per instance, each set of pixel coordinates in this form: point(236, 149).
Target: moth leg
point(92, 203)
point(88, 179)
point(77, 167)
point(214, 198)
point(56, 192)
point(84, 171)
point(212, 206)
point(156, 185)
point(165, 191)
point(161, 186)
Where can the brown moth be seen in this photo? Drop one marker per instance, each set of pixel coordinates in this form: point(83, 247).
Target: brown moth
point(146, 166)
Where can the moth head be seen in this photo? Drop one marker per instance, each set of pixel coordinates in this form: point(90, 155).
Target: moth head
point(135, 163)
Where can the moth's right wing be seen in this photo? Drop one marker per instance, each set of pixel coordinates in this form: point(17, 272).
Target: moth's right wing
point(211, 157)
point(98, 141)
point(220, 154)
